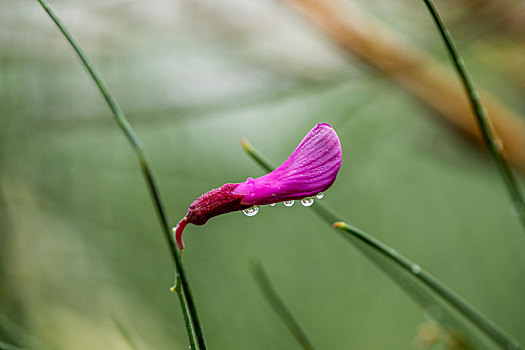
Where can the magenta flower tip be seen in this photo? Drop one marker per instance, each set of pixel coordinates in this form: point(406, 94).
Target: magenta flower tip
point(311, 168)
point(215, 202)
point(178, 232)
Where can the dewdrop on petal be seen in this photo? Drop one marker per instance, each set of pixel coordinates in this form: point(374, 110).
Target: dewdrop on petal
point(307, 202)
point(310, 170)
point(252, 211)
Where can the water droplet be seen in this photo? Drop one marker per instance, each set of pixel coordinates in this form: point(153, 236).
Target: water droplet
point(307, 201)
point(288, 203)
point(416, 269)
point(251, 211)
point(272, 204)
point(320, 195)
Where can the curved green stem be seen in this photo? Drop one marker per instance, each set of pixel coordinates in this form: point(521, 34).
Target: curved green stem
point(6, 346)
point(470, 312)
point(495, 146)
point(279, 306)
point(191, 317)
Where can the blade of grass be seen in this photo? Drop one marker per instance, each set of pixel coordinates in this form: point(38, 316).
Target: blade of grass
point(484, 324)
point(269, 292)
point(488, 327)
point(424, 77)
point(191, 318)
point(5, 346)
point(26, 336)
point(434, 310)
point(125, 333)
point(493, 143)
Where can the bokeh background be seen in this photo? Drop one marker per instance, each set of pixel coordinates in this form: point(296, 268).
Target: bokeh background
point(83, 263)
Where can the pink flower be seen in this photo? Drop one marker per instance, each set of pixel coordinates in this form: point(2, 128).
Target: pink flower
point(310, 169)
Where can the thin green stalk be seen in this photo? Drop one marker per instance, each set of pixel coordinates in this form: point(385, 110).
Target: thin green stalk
point(482, 322)
point(468, 311)
point(191, 317)
point(434, 308)
point(6, 346)
point(495, 146)
point(126, 334)
point(279, 306)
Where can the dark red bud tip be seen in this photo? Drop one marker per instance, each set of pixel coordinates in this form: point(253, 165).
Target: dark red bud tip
point(216, 202)
point(178, 232)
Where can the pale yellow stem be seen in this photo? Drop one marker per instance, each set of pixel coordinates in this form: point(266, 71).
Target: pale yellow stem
point(416, 71)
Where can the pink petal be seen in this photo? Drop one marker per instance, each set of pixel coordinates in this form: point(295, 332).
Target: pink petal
point(310, 169)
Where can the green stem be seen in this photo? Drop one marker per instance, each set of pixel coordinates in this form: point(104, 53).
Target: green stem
point(191, 317)
point(279, 306)
point(6, 346)
point(495, 146)
point(469, 311)
point(126, 334)
point(476, 317)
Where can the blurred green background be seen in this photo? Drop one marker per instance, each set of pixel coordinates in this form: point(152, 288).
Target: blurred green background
point(81, 251)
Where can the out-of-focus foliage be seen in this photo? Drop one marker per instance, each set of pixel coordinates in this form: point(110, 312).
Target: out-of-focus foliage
point(82, 260)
